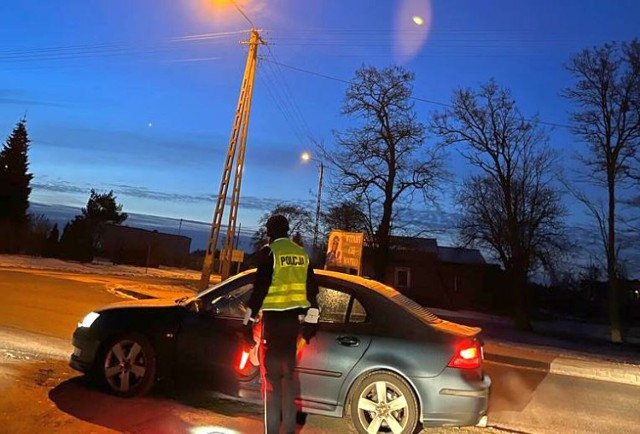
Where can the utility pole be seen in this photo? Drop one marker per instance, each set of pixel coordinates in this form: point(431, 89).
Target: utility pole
point(237, 146)
point(315, 230)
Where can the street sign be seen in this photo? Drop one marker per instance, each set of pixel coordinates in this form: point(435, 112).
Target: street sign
point(345, 249)
point(236, 255)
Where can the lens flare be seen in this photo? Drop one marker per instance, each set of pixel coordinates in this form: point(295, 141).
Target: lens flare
point(413, 21)
point(223, 13)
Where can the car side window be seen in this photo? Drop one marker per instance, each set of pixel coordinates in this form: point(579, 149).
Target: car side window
point(358, 313)
point(233, 303)
point(333, 305)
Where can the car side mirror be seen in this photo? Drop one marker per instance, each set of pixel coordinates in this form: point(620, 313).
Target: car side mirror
point(196, 305)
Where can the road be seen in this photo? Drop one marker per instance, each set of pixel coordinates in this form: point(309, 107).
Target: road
point(38, 312)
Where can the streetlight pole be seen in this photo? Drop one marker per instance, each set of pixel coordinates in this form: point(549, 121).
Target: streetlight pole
point(306, 156)
point(315, 230)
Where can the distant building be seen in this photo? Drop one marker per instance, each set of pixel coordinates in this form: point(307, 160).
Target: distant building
point(136, 246)
point(432, 275)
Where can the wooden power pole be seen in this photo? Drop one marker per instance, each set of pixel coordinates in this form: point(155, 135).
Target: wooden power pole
point(235, 153)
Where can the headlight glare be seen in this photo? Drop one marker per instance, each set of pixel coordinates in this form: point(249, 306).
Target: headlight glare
point(88, 320)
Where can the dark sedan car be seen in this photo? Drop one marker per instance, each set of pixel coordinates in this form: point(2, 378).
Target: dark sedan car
point(383, 360)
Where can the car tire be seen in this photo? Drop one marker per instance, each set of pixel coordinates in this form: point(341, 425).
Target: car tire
point(396, 412)
point(128, 366)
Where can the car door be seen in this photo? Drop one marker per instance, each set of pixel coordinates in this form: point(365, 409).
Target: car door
point(342, 339)
point(208, 344)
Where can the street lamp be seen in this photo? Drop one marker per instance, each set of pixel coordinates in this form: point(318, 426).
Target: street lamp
point(306, 156)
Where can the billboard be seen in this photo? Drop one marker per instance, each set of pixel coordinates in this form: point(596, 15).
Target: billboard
point(344, 249)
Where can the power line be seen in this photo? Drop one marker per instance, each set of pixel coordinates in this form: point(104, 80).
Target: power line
point(289, 97)
point(424, 100)
point(295, 68)
point(69, 52)
point(277, 84)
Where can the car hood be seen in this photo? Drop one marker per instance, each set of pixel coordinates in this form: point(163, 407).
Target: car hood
point(151, 302)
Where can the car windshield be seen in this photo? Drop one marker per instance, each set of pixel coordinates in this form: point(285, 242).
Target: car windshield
point(224, 282)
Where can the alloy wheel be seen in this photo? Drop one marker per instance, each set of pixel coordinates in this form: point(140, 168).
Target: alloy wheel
point(125, 365)
point(382, 407)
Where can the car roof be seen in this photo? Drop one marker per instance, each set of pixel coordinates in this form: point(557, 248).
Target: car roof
point(398, 299)
point(374, 285)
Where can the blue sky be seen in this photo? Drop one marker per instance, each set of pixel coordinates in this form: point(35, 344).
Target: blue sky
point(130, 96)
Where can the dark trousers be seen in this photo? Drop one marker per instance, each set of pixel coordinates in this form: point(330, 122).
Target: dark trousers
point(278, 360)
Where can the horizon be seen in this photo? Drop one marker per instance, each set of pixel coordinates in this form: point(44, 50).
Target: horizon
point(198, 232)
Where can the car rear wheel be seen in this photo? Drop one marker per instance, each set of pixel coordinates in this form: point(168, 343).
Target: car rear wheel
point(129, 366)
point(383, 402)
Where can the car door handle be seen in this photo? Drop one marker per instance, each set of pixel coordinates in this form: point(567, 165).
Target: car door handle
point(348, 341)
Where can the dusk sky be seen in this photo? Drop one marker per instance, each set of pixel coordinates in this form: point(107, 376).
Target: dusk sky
point(138, 96)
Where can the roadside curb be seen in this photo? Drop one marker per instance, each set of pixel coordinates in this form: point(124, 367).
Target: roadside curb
point(517, 361)
point(132, 294)
point(622, 373)
point(603, 371)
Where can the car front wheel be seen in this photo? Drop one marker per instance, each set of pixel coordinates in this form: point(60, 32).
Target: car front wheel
point(129, 366)
point(383, 402)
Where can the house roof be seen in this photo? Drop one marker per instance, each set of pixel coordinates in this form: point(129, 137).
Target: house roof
point(413, 243)
point(460, 255)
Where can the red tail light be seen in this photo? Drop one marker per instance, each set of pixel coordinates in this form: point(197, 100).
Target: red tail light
point(468, 355)
point(243, 360)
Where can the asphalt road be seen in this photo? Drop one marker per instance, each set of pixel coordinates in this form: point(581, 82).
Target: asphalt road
point(38, 313)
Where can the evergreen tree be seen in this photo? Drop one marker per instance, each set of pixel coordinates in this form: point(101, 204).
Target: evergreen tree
point(102, 209)
point(14, 189)
point(51, 246)
point(77, 242)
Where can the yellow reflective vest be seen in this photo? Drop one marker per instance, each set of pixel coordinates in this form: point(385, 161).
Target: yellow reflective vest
point(288, 288)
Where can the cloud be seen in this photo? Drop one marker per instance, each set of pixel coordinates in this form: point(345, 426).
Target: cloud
point(184, 146)
point(59, 187)
point(145, 193)
point(246, 202)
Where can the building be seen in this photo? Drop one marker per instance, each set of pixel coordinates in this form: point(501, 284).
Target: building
point(136, 246)
point(448, 277)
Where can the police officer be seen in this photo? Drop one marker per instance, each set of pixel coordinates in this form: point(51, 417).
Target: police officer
point(285, 288)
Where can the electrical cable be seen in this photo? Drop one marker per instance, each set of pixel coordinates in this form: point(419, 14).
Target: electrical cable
point(277, 84)
point(428, 101)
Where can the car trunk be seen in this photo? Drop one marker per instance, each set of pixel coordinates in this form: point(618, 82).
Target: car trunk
point(433, 320)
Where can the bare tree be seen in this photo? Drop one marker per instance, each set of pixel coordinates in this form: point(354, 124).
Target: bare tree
point(607, 118)
point(509, 204)
point(299, 218)
point(382, 161)
point(351, 217)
